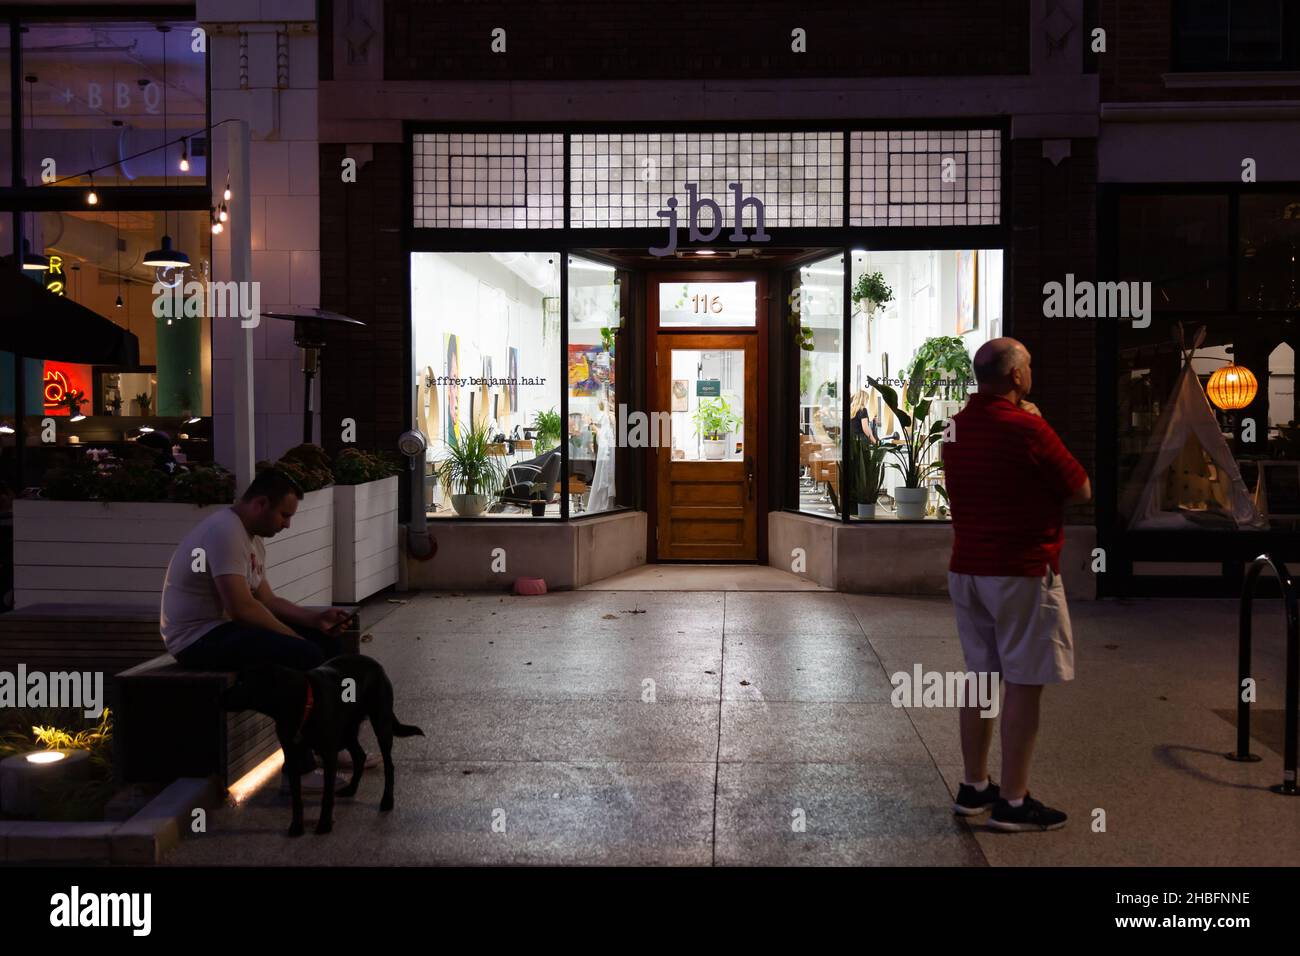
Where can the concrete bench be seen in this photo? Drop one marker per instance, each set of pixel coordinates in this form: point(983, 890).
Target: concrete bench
point(170, 723)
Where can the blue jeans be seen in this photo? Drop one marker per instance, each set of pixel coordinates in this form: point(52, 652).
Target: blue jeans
point(233, 646)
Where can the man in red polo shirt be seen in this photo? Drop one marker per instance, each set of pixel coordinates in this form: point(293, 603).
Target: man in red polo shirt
point(1008, 477)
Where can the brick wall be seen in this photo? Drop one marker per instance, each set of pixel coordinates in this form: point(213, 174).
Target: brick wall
point(720, 39)
point(363, 275)
point(1139, 49)
point(1053, 220)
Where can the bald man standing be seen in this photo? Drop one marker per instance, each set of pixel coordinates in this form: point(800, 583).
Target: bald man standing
point(1008, 478)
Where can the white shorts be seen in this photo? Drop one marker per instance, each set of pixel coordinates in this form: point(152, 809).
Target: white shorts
point(1018, 627)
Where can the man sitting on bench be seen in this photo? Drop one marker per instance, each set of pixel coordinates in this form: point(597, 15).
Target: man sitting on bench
point(218, 611)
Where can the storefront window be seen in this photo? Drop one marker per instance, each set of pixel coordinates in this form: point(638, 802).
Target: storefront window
point(595, 320)
point(95, 93)
point(95, 259)
point(1179, 245)
point(913, 308)
point(486, 329)
point(817, 310)
point(1269, 252)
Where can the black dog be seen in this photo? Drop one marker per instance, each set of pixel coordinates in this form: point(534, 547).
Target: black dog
point(321, 710)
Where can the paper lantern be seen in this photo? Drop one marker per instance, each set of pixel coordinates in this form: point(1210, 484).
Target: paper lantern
point(1232, 387)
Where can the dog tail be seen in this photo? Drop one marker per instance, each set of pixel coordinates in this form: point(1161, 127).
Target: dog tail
point(405, 730)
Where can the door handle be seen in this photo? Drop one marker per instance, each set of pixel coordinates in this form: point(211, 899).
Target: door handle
point(749, 475)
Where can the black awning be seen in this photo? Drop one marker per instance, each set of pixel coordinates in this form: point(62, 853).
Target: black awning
point(39, 324)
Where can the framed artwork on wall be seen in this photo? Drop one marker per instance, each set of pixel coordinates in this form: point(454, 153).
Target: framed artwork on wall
point(967, 291)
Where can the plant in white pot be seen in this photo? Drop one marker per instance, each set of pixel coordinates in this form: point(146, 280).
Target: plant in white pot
point(713, 420)
point(867, 472)
point(872, 290)
point(913, 455)
point(468, 472)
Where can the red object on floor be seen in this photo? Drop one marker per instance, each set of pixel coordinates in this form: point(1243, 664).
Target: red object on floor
point(530, 585)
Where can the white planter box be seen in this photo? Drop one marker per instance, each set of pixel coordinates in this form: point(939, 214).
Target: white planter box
point(366, 542)
point(300, 560)
point(91, 552)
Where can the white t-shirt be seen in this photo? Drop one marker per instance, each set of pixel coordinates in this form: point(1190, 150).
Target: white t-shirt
point(191, 605)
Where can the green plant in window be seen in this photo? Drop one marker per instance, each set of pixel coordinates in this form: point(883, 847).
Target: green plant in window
point(549, 428)
point(871, 286)
point(469, 468)
point(948, 366)
point(805, 374)
point(912, 455)
point(866, 470)
point(830, 389)
point(144, 400)
point(607, 336)
point(714, 417)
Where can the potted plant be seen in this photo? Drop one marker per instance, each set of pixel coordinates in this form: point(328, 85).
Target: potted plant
point(867, 472)
point(469, 474)
point(548, 429)
point(872, 289)
point(912, 454)
point(74, 401)
point(948, 365)
point(537, 498)
point(144, 400)
point(713, 419)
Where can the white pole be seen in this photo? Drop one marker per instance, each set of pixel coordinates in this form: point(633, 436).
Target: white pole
point(241, 271)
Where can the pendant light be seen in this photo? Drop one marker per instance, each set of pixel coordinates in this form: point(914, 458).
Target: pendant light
point(165, 257)
point(117, 243)
point(32, 262)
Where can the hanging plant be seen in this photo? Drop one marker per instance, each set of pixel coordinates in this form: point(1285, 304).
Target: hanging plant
point(872, 287)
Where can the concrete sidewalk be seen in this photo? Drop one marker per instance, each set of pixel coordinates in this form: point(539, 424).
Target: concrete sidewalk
point(771, 709)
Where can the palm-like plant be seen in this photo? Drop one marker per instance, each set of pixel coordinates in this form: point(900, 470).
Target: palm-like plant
point(912, 453)
point(866, 469)
point(468, 468)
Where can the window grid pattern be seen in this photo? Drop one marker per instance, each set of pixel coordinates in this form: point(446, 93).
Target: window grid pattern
point(489, 180)
point(624, 179)
point(925, 178)
point(621, 180)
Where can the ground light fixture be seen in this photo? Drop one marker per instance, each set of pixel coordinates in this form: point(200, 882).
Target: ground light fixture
point(26, 780)
point(191, 421)
point(6, 428)
point(145, 429)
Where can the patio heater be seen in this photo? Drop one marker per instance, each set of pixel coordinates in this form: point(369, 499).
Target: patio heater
point(309, 326)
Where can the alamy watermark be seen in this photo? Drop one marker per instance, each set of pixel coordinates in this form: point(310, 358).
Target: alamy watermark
point(947, 689)
point(1098, 300)
point(79, 689)
point(216, 300)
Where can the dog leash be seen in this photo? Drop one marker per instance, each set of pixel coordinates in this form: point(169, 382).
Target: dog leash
point(306, 712)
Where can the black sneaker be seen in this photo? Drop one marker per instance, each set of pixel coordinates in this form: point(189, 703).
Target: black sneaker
point(971, 802)
point(1030, 815)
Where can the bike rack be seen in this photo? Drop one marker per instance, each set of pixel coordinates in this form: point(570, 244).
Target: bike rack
point(1242, 753)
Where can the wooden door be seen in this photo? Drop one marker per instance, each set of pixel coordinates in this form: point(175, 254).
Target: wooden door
point(707, 498)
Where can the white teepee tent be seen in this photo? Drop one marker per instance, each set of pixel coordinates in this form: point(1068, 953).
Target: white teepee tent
point(1187, 476)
